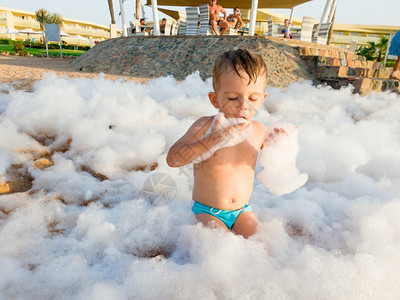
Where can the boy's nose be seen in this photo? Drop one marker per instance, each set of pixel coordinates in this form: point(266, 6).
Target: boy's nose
point(242, 103)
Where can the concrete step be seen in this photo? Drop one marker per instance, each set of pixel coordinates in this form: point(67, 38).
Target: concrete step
point(363, 85)
point(351, 62)
point(330, 53)
point(329, 72)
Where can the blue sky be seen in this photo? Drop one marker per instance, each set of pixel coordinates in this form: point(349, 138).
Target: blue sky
point(371, 12)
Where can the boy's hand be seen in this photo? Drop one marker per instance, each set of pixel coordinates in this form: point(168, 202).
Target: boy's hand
point(277, 131)
point(225, 133)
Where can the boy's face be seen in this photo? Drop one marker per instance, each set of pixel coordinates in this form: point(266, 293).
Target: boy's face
point(236, 98)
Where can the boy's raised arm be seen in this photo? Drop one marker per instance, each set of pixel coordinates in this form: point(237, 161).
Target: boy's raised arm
point(197, 145)
point(191, 144)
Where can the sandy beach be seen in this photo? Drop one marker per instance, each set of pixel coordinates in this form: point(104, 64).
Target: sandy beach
point(21, 72)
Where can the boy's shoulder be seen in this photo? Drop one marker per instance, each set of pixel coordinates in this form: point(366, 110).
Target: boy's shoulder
point(260, 128)
point(258, 125)
point(204, 121)
point(202, 124)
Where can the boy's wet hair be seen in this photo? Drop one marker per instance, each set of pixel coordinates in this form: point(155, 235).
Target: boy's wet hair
point(241, 59)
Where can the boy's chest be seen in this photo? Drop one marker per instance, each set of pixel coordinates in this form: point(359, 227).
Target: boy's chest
point(243, 153)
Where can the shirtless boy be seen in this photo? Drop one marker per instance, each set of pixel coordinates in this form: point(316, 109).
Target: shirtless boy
point(223, 183)
point(215, 18)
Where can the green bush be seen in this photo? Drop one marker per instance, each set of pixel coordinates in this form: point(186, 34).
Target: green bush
point(36, 45)
point(85, 48)
point(6, 42)
point(19, 48)
point(390, 63)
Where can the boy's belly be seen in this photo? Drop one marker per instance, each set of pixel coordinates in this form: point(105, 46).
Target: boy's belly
point(224, 188)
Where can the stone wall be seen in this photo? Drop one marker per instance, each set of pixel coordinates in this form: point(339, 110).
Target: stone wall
point(180, 56)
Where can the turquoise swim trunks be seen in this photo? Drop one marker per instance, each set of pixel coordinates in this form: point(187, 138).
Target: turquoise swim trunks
point(227, 216)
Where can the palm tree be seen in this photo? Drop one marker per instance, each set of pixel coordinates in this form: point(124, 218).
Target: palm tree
point(382, 47)
point(367, 51)
point(111, 8)
point(374, 51)
point(56, 19)
point(43, 17)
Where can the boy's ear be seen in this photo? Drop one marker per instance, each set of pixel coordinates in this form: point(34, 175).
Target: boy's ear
point(213, 99)
point(265, 96)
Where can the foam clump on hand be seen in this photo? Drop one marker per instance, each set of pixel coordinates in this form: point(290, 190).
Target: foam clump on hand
point(278, 157)
point(230, 136)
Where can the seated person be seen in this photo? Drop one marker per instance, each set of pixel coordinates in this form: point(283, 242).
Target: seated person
point(285, 31)
point(235, 20)
point(162, 25)
point(215, 19)
point(142, 25)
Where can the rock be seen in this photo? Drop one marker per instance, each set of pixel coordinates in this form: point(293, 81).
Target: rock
point(4, 188)
point(43, 163)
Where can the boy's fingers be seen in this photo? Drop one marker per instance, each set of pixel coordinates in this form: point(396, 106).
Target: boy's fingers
point(243, 125)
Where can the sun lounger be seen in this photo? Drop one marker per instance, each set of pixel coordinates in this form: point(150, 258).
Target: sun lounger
point(182, 23)
point(205, 28)
point(271, 27)
point(306, 31)
point(174, 28)
point(168, 27)
point(192, 20)
point(321, 36)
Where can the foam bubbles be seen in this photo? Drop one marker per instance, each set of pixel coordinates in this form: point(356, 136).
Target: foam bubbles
point(84, 230)
point(278, 157)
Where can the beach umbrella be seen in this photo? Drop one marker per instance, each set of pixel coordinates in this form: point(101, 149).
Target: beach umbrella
point(63, 33)
point(10, 31)
point(172, 13)
point(80, 38)
point(29, 31)
point(252, 4)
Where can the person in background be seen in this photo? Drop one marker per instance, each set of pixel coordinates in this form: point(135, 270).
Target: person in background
point(142, 24)
point(215, 19)
point(235, 20)
point(162, 25)
point(285, 29)
point(395, 50)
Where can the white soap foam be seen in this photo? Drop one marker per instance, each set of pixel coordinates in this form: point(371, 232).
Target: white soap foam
point(75, 236)
point(278, 158)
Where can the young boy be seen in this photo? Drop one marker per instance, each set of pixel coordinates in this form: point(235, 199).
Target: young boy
point(223, 183)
